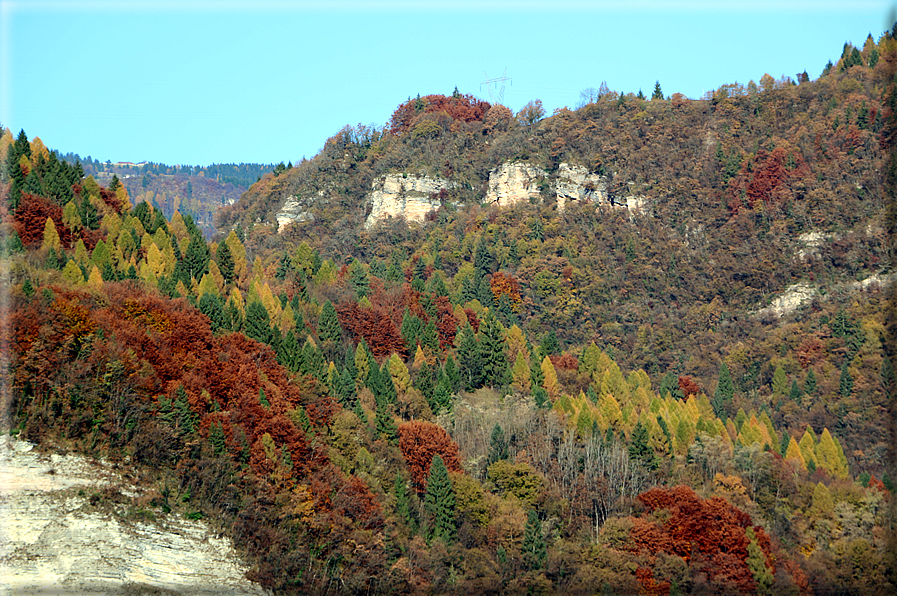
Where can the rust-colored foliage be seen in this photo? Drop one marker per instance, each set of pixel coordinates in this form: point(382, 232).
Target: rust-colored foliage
point(446, 323)
point(419, 442)
point(810, 351)
point(373, 324)
point(707, 533)
point(31, 217)
point(411, 301)
point(355, 501)
point(472, 319)
point(651, 586)
point(506, 284)
point(688, 386)
point(465, 108)
point(766, 179)
point(565, 361)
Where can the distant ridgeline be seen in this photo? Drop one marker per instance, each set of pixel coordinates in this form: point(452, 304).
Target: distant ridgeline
point(195, 190)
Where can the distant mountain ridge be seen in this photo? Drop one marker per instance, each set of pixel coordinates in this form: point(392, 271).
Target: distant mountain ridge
point(197, 191)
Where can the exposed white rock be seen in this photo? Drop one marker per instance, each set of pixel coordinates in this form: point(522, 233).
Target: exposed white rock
point(797, 294)
point(793, 296)
point(514, 182)
point(575, 183)
point(875, 280)
point(811, 241)
point(293, 210)
point(408, 196)
point(53, 541)
point(636, 204)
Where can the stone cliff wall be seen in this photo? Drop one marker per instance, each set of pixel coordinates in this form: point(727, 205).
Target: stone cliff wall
point(411, 197)
point(294, 210)
point(67, 526)
point(514, 182)
point(575, 183)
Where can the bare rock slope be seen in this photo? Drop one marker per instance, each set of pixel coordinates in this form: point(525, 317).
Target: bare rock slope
point(68, 526)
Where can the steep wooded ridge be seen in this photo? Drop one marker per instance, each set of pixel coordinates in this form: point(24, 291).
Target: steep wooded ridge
point(639, 347)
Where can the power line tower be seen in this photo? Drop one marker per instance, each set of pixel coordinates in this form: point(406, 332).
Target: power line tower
point(490, 83)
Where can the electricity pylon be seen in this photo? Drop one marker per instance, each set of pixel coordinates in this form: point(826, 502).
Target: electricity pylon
point(494, 82)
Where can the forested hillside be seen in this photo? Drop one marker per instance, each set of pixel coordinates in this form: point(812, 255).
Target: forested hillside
point(497, 400)
point(191, 190)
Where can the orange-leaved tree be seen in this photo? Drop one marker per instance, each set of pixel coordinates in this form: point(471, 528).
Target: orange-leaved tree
point(419, 442)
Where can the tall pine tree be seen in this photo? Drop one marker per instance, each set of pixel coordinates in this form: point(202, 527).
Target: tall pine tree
point(439, 503)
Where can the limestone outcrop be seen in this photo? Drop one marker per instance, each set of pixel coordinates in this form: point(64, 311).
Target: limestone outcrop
point(294, 210)
point(408, 196)
point(575, 183)
point(413, 197)
point(514, 182)
point(69, 525)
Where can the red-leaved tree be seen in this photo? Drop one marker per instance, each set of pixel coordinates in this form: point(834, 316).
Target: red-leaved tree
point(419, 442)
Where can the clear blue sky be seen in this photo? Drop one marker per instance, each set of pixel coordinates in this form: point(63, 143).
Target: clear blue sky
point(196, 82)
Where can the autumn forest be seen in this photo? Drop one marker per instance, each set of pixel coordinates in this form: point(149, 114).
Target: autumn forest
point(681, 385)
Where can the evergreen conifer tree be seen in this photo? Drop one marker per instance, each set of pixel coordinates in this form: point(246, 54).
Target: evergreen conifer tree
point(549, 344)
point(845, 383)
point(386, 424)
point(403, 501)
point(258, 324)
point(725, 390)
point(452, 373)
point(329, 329)
point(439, 503)
point(196, 261)
point(493, 352)
point(887, 373)
point(535, 551)
point(498, 445)
point(640, 448)
point(810, 383)
point(210, 306)
point(469, 355)
point(442, 395)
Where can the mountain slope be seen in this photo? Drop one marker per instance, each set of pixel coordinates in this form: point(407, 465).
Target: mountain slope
point(500, 398)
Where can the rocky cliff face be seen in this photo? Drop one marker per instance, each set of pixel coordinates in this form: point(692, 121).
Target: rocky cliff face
point(411, 197)
point(408, 196)
point(72, 526)
point(294, 210)
point(575, 183)
point(513, 183)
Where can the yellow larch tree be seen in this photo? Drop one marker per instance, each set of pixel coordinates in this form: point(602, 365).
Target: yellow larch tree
point(287, 319)
point(236, 298)
point(520, 374)
point(399, 373)
point(155, 260)
point(72, 273)
point(550, 382)
point(179, 229)
point(81, 254)
point(610, 411)
point(51, 236)
point(830, 455)
point(807, 446)
point(419, 359)
point(517, 344)
point(207, 286)
point(70, 216)
point(793, 453)
point(95, 280)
